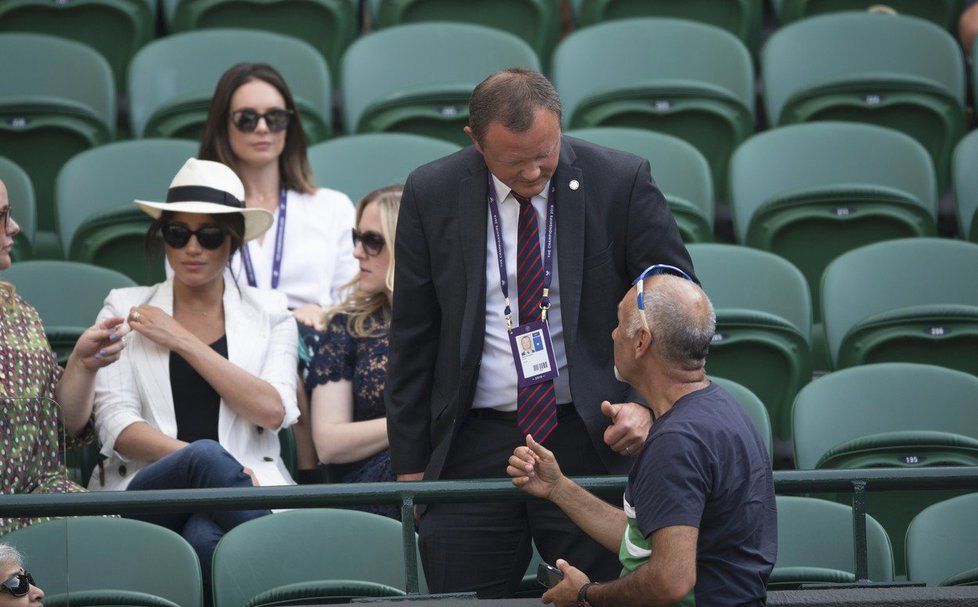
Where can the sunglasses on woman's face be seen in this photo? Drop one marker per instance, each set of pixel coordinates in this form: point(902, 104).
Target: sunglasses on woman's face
point(5, 219)
point(246, 120)
point(19, 584)
point(177, 236)
point(372, 242)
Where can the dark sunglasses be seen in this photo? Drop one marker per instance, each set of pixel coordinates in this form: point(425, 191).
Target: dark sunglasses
point(209, 237)
point(5, 219)
point(18, 584)
point(246, 120)
point(372, 242)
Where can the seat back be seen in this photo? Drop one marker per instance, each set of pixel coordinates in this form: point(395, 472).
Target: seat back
point(966, 186)
point(942, 541)
point(941, 12)
point(172, 80)
point(76, 555)
point(115, 28)
point(679, 169)
point(58, 99)
point(97, 220)
point(686, 79)
point(327, 25)
point(815, 544)
point(418, 78)
point(742, 18)
point(536, 22)
point(903, 300)
point(754, 407)
point(811, 192)
point(20, 194)
point(895, 71)
point(763, 337)
point(299, 546)
point(358, 164)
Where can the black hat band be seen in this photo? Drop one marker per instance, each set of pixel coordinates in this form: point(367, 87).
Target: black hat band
point(199, 193)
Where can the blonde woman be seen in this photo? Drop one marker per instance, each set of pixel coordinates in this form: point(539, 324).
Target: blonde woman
point(348, 370)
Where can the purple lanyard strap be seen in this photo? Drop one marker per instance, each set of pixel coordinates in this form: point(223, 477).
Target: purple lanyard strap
point(279, 247)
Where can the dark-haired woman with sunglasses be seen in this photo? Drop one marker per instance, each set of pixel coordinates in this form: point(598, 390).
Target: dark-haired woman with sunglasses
point(347, 373)
point(208, 380)
point(254, 127)
point(17, 587)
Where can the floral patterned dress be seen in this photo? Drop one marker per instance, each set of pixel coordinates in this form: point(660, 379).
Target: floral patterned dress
point(340, 356)
point(31, 430)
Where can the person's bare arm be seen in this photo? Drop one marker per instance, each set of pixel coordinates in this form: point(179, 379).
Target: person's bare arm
point(338, 438)
point(968, 27)
point(143, 442)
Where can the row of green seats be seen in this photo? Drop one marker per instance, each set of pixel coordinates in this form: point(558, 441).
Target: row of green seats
point(89, 560)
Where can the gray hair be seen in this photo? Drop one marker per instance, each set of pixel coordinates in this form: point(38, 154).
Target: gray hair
point(9, 554)
point(683, 332)
point(511, 97)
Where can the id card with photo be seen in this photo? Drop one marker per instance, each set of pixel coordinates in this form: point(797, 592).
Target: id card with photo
point(533, 353)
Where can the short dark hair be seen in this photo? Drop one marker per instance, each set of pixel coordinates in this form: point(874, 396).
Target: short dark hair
point(511, 97)
point(214, 144)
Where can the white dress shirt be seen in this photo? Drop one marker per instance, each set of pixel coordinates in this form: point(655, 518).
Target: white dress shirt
point(317, 257)
point(497, 384)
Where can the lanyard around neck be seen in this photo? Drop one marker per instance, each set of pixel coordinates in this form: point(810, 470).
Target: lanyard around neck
point(279, 247)
point(548, 253)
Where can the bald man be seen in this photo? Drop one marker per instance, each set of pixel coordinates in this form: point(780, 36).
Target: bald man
point(699, 512)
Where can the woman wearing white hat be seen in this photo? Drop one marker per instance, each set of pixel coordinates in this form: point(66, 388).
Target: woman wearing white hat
point(197, 398)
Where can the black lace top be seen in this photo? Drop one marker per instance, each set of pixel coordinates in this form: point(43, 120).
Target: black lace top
point(339, 356)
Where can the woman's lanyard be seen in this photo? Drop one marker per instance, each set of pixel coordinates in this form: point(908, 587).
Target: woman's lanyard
point(548, 253)
point(279, 246)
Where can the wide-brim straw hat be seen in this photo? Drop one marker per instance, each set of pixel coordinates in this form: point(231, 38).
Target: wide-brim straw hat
point(209, 188)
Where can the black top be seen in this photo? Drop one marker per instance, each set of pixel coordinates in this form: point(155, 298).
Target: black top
point(704, 465)
point(195, 403)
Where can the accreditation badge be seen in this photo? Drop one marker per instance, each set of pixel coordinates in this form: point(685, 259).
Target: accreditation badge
point(533, 353)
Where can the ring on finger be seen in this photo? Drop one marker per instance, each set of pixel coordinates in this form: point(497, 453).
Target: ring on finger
point(627, 450)
point(135, 315)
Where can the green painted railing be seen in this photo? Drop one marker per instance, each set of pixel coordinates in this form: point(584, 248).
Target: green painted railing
point(858, 482)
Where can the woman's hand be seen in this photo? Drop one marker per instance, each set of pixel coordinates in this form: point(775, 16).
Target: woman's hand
point(159, 327)
point(102, 344)
point(310, 315)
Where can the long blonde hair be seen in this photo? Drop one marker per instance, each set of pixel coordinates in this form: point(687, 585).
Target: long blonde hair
point(360, 307)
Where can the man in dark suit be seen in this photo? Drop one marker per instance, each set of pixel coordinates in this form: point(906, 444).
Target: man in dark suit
point(526, 229)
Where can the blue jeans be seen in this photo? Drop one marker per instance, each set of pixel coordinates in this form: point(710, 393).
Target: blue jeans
point(201, 465)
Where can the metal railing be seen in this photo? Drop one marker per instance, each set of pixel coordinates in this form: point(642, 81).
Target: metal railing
point(407, 495)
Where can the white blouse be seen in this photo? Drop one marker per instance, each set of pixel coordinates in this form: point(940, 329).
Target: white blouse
point(317, 257)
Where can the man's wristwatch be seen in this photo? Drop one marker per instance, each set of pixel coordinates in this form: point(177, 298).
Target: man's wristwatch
point(582, 595)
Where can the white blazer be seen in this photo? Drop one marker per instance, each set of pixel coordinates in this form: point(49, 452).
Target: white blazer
point(261, 339)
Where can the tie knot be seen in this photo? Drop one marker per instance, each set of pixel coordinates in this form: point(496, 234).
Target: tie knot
point(523, 200)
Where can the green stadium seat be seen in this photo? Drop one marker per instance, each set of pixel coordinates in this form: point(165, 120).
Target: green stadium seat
point(942, 543)
point(910, 300)
point(327, 25)
point(763, 335)
point(20, 193)
point(891, 415)
point(742, 18)
point(815, 545)
point(359, 164)
point(418, 78)
point(305, 555)
point(57, 99)
point(172, 80)
point(965, 182)
point(45, 283)
point(681, 78)
point(754, 407)
point(811, 192)
point(899, 72)
point(97, 221)
point(114, 28)
point(536, 22)
point(110, 561)
point(942, 12)
point(679, 169)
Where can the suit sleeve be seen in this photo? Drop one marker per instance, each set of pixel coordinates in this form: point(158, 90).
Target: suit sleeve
point(415, 325)
point(652, 233)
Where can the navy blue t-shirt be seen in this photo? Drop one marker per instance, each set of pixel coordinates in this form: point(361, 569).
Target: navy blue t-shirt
point(705, 465)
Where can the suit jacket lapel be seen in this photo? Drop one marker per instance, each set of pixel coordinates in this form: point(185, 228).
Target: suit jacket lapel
point(153, 367)
point(473, 224)
point(570, 241)
point(245, 332)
